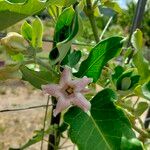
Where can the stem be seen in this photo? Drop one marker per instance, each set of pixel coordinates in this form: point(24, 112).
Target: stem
point(44, 124)
point(137, 20)
point(54, 137)
point(90, 14)
point(107, 25)
point(144, 134)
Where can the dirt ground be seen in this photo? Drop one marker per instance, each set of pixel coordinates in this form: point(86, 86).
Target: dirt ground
point(17, 127)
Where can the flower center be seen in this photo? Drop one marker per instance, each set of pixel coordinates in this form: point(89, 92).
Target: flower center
point(69, 90)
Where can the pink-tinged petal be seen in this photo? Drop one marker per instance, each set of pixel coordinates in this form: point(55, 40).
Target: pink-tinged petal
point(62, 104)
point(65, 76)
point(52, 89)
point(81, 101)
point(80, 84)
point(86, 91)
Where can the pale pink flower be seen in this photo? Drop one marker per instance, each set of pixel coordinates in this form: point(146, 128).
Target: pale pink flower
point(69, 92)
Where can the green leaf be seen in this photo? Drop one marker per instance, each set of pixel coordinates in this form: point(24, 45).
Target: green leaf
point(37, 78)
point(99, 56)
point(74, 58)
point(137, 40)
point(117, 73)
point(103, 129)
point(141, 108)
point(125, 83)
point(112, 5)
point(11, 13)
point(26, 31)
point(146, 90)
point(37, 33)
point(64, 3)
point(128, 80)
point(65, 30)
point(131, 144)
point(139, 61)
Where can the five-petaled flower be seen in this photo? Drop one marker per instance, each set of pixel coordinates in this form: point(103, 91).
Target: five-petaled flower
point(69, 92)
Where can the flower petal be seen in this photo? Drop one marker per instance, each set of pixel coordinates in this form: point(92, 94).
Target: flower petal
point(81, 101)
point(52, 89)
point(62, 104)
point(80, 84)
point(65, 76)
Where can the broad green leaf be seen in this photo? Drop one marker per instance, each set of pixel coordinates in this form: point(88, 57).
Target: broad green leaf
point(103, 129)
point(64, 3)
point(139, 61)
point(37, 78)
point(131, 144)
point(11, 13)
point(141, 108)
point(112, 5)
point(146, 90)
point(137, 40)
point(26, 31)
point(37, 33)
point(74, 58)
point(65, 30)
point(99, 56)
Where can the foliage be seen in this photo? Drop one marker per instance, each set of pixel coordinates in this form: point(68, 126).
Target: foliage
point(111, 122)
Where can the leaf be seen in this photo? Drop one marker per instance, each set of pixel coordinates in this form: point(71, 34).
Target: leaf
point(117, 72)
point(26, 31)
point(103, 129)
point(99, 56)
point(64, 3)
point(74, 58)
point(125, 83)
point(131, 144)
point(139, 61)
point(37, 33)
point(37, 78)
point(65, 30)
point(128, 80)
point(137, 40)
point(141, 108)
point(11, 13)
point(112, 5)
point(146, 90)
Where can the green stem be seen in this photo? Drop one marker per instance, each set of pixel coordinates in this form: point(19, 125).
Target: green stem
point(106, 27)
point(90, 14)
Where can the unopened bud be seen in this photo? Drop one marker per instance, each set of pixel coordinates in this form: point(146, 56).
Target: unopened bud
point(14, 42)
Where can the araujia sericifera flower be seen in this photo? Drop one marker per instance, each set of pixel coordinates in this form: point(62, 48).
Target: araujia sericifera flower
point(69, 92)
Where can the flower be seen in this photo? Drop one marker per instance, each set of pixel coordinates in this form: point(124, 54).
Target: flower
point(69, 92)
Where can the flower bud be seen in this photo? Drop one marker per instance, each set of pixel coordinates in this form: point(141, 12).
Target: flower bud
point(14, 42)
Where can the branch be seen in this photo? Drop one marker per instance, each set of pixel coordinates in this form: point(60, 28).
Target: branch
point(44, 123)
point(137, 21)
point(90, 14)
point(25, 108)
point(51, 41)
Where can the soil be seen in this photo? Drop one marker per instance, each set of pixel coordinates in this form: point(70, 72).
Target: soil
point(18, 127)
